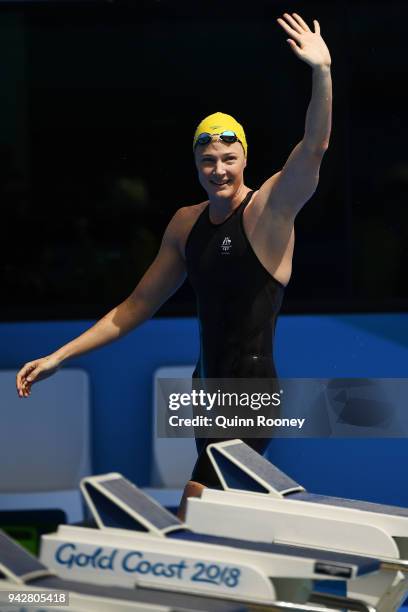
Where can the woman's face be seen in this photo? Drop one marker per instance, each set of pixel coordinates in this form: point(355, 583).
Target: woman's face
point(220, 167)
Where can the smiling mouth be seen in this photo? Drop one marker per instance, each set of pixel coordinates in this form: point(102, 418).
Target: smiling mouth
point(220, 184)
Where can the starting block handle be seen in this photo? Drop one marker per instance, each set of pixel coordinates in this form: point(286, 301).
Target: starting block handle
point(239, 467)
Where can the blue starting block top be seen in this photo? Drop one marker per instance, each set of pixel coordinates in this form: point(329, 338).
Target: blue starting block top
point(240, 467)
point(15, 558)
point(117, 502)
point(20, 563)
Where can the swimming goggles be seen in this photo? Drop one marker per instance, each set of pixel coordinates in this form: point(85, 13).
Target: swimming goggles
point(225, 136)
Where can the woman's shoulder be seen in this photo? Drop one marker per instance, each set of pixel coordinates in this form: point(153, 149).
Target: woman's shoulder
point(184, 220)
point(185, 217)
point(193, 211)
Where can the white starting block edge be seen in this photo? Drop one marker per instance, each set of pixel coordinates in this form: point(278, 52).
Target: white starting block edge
point(228, 514)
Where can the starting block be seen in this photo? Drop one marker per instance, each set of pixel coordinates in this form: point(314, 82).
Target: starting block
point(261, 503)
point(138, 543)
point(21, 573)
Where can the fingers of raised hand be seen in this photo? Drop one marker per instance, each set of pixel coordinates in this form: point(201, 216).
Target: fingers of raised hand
point(294, 33)
point(295, 26)
point(294, 23)
point(301, 22)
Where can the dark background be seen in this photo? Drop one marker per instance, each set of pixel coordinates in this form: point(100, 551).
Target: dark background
point(99, 102)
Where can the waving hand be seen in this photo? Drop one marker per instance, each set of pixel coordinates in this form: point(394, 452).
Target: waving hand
point(307, 45)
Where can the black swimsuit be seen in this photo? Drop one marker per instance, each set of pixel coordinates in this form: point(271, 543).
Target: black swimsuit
point(238, 301)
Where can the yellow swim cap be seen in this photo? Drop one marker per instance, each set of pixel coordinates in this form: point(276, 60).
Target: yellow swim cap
point(219, 122)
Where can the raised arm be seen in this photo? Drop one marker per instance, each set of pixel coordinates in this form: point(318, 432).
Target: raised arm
point(163, 277)
point(288, 190)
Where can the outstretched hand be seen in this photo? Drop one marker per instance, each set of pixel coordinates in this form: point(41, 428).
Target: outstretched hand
point(307, 45)
point(33, 371)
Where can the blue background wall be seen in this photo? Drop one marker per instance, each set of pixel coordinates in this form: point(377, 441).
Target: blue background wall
point(307, 346)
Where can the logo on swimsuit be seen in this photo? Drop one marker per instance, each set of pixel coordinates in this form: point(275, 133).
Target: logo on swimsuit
point(226, 245)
